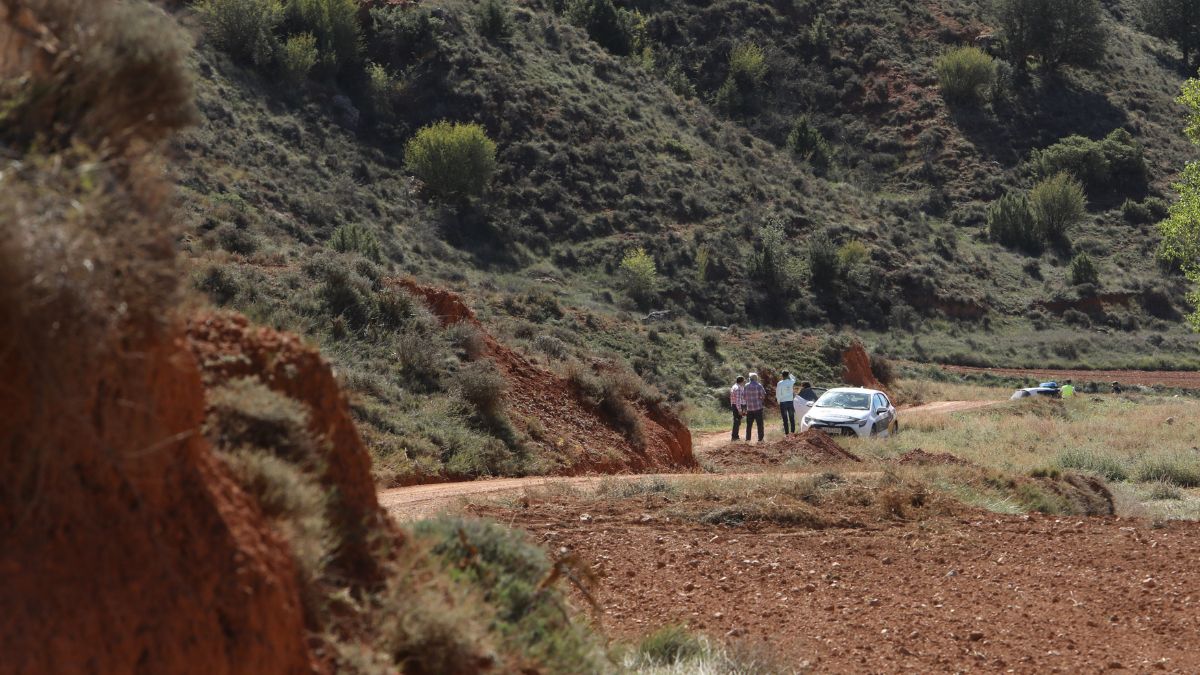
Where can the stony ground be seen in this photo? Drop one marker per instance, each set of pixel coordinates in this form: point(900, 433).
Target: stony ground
point(968, 591)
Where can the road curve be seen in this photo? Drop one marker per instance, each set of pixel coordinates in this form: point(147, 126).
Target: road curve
point(424, 501)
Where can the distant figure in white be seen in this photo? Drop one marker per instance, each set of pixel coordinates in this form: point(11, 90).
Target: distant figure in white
point(785, 395)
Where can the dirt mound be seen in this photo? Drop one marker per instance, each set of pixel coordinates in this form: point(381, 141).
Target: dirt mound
point(919, 457)
point(228, 347)
point(857, 368)
point(577, 434)
point(810, 447)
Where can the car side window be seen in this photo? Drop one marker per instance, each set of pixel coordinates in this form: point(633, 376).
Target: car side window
point(879, 401)
point(887, 403)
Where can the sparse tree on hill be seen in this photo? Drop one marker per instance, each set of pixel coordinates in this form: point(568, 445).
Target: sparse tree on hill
point(1055, 32)
point(639, 275)
point(1176, 21)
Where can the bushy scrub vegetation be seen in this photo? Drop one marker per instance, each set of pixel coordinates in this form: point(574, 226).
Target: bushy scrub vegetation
point(244, 28)
point(1011, 222)
point(1114, 164)
point(747, 72)
point(806, 141)
point(1057, 204)
point(640, 275)
point(1083, 270)
point(455, 161)
point(1055, 32)
point(495, 20)
point(604, 23)
point(966, 74)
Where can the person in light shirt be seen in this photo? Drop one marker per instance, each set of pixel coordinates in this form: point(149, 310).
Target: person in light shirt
point(785, 395)
point(754, 395)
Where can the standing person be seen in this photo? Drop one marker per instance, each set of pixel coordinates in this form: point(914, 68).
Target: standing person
point(807, 393)
point(785, 394)
point(1068, 390)
point(754, 395)
point(737, 401)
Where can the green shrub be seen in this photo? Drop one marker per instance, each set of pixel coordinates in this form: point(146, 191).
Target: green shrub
point(335, 25)
point(806, 141)
point(747, 71)
point(824, 265)
point(1114, 163)
point(966, 74)
point(510, 573)
point(604, 23)
point(1106, 466)
point(401, 34)
point(297, 58)
point(244, 29)
point(852, 254)
point(883, 369)
point(1083, 270)
point(483, 387)
point(455, 161)
point(1011, 223)
point(354, 238)
point(1055, 32)
point(639, 275)
point(1057, 204)
point(494, 20)
point(670, 645)
point(1181, 469)
point(1135, 213)
point(383, 91)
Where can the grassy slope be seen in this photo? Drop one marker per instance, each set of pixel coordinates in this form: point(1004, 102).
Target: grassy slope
point(598, 154)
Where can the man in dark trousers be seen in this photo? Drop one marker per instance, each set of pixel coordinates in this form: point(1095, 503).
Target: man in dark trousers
point(737, 401)
point(785, 393)
point(754, 395)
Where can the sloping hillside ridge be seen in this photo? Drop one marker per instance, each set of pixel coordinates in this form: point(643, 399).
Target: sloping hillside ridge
point(574, 432)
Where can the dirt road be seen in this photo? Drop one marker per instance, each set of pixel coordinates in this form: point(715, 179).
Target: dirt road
point(423, 501)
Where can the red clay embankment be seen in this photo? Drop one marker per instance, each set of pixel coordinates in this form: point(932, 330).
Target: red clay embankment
point(560, 419)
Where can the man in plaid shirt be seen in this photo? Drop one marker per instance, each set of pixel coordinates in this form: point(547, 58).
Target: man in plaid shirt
point(737, 401)
point(754, 396)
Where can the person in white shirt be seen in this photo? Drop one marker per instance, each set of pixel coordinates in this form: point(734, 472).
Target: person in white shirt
point(785, 395)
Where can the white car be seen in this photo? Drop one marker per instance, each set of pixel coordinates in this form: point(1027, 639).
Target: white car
point(850, 411)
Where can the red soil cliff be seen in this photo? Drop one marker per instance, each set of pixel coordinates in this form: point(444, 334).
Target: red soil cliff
point(125, 546)
point(569, 427)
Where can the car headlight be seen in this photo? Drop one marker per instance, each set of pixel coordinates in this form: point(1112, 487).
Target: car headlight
point(863, 422)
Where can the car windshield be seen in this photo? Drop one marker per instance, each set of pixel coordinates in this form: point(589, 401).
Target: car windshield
point(845, 399)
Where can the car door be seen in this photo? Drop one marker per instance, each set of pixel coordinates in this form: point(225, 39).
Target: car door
point(882, 420)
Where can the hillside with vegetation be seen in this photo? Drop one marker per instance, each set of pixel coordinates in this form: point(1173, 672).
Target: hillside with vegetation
point(759, 176)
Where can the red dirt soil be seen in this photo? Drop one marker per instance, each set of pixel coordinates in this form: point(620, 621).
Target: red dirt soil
point(919, 457)
point(857, 368)
point(134, 550)
point(228, 347)
point(556, 416)
point(1176, 379)
point(950, 593)
point(811, 447)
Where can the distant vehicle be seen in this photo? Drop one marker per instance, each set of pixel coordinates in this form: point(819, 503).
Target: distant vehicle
point(851, 411)
point(1047, 389)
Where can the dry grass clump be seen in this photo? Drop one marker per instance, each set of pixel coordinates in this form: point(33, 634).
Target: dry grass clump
point(87, 258)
